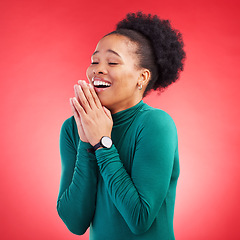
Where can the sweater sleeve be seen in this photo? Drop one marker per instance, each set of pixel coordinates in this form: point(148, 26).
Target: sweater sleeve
point(77, 193)
point(139, 197)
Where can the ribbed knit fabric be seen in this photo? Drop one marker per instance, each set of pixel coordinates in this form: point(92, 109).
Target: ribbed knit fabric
point(126, 192)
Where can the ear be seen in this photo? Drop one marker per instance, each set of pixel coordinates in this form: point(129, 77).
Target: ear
point(144, 77)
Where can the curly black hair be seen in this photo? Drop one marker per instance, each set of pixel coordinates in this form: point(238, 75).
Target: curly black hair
point(160, 47)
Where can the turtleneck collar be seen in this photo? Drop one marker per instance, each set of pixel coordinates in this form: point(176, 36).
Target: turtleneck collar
point(127, 114)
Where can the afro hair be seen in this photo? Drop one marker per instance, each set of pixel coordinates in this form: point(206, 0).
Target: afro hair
point(165, 47)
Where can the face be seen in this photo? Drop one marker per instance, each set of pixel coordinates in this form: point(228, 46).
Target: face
point(114, 73)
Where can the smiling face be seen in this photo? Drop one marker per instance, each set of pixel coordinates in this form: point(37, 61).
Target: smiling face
point(115, 74)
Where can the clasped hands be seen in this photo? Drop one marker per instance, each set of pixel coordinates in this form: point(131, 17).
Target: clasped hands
point(93, 120)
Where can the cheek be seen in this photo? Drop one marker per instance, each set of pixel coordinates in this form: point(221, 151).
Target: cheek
point(125, 76)
point(130, 78)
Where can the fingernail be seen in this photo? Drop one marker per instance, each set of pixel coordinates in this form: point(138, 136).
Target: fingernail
point(90, 85)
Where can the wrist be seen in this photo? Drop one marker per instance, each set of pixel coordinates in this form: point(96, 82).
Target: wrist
point(84, 145)
point(98, 148)
point(105, 142)
point(97, 140)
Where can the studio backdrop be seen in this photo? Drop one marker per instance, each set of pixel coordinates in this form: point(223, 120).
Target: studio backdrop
point(46, 48)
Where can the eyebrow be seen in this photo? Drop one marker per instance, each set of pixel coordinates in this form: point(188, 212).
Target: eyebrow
point(109, 50)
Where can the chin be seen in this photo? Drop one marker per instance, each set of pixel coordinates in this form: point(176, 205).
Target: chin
point(105, 101)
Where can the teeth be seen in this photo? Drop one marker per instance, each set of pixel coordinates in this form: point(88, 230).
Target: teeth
point(100, 83)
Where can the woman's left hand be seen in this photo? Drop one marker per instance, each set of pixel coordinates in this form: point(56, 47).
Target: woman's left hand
point(96, 119)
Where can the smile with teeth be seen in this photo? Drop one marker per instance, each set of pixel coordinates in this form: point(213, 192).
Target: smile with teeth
point(101, 84)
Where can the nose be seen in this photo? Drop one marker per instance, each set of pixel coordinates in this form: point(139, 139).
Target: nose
point(99, 69)
point(97, 72)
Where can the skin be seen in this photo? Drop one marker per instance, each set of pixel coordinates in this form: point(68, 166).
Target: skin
point(116, 62)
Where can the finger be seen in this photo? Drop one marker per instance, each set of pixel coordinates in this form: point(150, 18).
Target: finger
point(72, 107)
point(74, 111)
point(108, 113)
point(80, 110)
point(76, 92)
point(95, 97)
point(78, 122)
point(82, 98)
point(88, 94)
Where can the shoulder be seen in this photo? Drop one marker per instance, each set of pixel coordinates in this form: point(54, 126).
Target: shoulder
point(68, 139)
point(156, 124)
point(69, 130)
point(155, 117)
point(68, 125)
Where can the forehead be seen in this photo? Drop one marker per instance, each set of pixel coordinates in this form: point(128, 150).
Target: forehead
point(117, 43)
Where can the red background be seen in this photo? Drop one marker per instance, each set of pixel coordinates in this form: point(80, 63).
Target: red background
point(46, 47)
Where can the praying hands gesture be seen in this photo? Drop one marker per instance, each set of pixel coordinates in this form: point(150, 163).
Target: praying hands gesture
point(93, 120)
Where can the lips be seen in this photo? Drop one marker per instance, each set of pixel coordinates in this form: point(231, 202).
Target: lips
point(100, 83)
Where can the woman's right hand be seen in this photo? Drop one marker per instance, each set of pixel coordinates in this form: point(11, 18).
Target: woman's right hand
point(77, 116)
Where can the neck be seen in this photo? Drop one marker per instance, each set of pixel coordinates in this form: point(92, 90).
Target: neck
point(124, 105)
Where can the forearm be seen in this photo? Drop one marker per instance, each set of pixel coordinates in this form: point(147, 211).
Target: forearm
point(135, 208)
point(140, 195)
point(76, 204)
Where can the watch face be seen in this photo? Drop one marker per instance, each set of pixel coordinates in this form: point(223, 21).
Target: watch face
point(106, 142)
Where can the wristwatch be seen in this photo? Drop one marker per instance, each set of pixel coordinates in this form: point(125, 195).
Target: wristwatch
point(105, 142)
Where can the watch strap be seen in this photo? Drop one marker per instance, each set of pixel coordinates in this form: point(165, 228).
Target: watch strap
point(98, 145)
point(94, 148)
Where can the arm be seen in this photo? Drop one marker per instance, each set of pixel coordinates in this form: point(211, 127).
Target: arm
point(77, 193)
point(139, 197)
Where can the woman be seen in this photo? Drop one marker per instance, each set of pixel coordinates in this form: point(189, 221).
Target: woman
point(120, 156)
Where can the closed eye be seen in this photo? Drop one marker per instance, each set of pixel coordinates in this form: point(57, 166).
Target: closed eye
point(113, 63)
point(94, 63)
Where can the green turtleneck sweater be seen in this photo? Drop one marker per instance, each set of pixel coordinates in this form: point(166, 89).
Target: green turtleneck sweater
point(126, 192)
